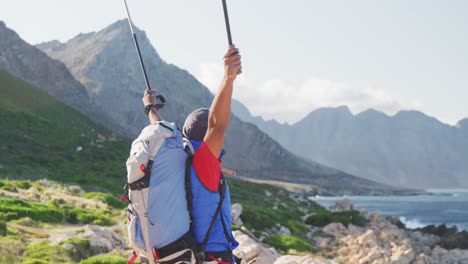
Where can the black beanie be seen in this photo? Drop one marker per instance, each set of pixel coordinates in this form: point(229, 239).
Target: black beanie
point(196, 124)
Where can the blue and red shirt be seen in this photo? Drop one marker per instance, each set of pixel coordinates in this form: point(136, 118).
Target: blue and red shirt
point(205, 178)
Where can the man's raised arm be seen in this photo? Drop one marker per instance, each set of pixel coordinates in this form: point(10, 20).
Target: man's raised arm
point(220, 110)
point(149, 99)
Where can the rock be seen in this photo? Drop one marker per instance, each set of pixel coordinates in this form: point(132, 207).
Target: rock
point(450, 238)
point(252, 251)
point(381, 242)
point(425, 239)
point(236, 211)
point(440, 230)
point(443, 256)
point(337, 230)
point(102, 239)
point(322, 242)
point(458, 240)
point(282, 230)
point(395, 221)
point(344, 205)
point(288, 259)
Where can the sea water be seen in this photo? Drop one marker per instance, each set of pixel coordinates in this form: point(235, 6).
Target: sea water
point(448, 207)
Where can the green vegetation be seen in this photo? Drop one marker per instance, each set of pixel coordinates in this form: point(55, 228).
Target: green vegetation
point(82, 248)
point(11, 248)
point(105, 260)
point(12, 209)
point(42, 252)
point(323, 218)
point(285, 243)
point(15, 209)
point(40, 136)
point(3, 228)
point(265, 207)
point(106, 198)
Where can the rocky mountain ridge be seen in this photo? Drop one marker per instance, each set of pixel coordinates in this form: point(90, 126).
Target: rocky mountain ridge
point(106, 63)
point(409, 149)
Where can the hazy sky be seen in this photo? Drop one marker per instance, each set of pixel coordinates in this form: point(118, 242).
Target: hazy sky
point(297, 55)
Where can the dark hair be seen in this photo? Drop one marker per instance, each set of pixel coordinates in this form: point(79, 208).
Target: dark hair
point(196, 124)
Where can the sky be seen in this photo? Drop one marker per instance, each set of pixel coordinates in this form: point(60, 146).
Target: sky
point(297, 55)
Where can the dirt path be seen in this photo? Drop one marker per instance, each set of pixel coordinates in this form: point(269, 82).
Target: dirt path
point(52, 234)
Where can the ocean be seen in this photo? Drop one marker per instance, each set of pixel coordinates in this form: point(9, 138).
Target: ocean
point(448, 207)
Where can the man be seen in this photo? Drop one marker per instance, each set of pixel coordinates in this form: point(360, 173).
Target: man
point(206, 130)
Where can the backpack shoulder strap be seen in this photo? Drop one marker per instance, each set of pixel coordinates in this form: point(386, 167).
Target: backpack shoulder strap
point(222, 192)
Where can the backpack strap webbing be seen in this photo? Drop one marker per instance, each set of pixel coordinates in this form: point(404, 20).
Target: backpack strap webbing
point(222, 192)
point(188, 187)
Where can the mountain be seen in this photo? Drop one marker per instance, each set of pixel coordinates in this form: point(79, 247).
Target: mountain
point(409, 149)
point(42, 137)
point(106, 63)
point(33, 66)
point(30, 64)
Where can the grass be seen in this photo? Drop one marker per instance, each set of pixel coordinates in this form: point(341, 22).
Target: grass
point(11, 249)
point(42, 252)
point(13, 209)
point(40, 135)
point(3, 228)
point(285, 243)
point(261, 211)
point(110, 259)
point(106, 198)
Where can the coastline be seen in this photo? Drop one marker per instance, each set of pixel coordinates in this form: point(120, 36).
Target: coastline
point(449, 206)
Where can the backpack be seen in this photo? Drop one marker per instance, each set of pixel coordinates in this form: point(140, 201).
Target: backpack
point(160, 140)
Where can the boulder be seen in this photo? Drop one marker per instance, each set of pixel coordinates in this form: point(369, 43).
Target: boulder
point(252, 251)
point(337, 230)
point(102, 239)
point(344, 205)
point(236, 211)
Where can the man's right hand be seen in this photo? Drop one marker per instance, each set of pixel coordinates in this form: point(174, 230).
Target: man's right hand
point(232, 63)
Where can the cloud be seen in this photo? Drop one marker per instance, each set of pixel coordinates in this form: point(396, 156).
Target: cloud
point(288, 101)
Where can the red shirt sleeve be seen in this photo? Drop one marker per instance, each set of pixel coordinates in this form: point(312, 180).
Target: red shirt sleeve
point(207, 167)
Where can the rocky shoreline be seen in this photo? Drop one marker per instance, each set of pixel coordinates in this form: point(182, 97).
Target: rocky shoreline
point(381, 240)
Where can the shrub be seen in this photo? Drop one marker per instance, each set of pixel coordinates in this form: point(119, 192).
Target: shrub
point(78, 215)
point(15, 208)
point(3, 228)
point(285, 243)
point(323, 218)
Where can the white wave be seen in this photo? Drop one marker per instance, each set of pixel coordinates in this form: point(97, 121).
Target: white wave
point(412, 223)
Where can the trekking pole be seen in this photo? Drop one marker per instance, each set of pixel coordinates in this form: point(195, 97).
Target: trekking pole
point(228, 27)
point(162, 100)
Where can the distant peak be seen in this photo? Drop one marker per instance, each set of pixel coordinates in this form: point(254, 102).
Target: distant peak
point(335, 110)
point(410, 114)
point(2, 24)
point(372, 113)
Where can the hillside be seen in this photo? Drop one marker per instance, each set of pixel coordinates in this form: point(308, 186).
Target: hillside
point(43, 138)
point(106, 63)
point(409, 149)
